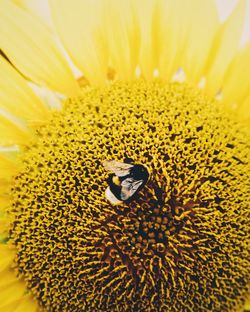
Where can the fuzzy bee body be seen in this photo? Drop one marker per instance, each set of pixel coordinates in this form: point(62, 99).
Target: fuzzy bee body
point(125, 181)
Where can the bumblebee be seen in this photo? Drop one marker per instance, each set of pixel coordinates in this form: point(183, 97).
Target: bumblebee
point(125, 181)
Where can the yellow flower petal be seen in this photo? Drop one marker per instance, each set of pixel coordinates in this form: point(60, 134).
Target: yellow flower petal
point(163, 36)
point(224, 48)
point(4, 223)
point(4, 203)
point(173, 29)
point(11, 293)
point(7, 167)
point(147, 58)
point(237, 79)
point(39, 8)
point(31, 47)
point(4, 190)
point(81, 35)
point(10, 307)
point(5, 185)
point(16, 97)
point(203, 22)
point(247, 305)
point(123, 36)
point(244, 110)
point(27, 304)
point(6, 258)
point(12, 133)
point(24, 304)
point(8, 276)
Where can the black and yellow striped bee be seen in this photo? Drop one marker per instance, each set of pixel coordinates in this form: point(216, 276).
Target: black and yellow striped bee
point(126, 180)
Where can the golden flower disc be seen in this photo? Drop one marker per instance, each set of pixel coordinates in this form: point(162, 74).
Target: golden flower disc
point(180, 245)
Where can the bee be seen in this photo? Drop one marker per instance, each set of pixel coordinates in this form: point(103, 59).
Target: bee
point(125, 182)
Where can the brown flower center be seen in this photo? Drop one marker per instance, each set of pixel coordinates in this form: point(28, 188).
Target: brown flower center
point(179, 245)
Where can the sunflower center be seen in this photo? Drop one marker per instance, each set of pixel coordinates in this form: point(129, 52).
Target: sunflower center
point(180, 242)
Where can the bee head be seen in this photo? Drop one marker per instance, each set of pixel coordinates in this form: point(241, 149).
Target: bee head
point(139, 172)
point(128, 160)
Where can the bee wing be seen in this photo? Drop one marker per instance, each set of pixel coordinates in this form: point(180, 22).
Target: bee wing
point(118, 168)
point(129, 187)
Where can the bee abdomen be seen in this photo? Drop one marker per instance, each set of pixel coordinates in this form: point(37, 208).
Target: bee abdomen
point(116, 180)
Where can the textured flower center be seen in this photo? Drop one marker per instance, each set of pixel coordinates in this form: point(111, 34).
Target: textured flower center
point(179, 245)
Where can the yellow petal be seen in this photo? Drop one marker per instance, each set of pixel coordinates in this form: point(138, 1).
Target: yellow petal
point(174, 30)
point(8, 168)
point(243, 110)
point(16, 97)
point(4, 198)
point(203, 22)
point(10, 307)
point(4, 224)
point(39, 8)
point(11, 293)
point(123, 36)
point(6, 258)
point(28, 304)
point(224, 47)
point(236, 84)
point(31, 47)
point(8, 276)
point(164, 41)
point(82, 35)
point(11, 132)
point(147, 58)
point(247, 305)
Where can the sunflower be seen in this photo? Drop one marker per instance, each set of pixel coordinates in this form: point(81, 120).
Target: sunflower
point(163, 84)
